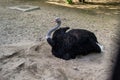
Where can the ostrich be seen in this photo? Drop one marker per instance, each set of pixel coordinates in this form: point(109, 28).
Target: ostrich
point(68, 44)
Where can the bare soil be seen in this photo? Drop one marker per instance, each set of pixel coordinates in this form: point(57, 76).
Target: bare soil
point(25, 54)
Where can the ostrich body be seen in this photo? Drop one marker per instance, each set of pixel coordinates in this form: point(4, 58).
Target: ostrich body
point(67, 45)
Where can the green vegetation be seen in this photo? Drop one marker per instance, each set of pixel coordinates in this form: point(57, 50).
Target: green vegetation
point(69, 1)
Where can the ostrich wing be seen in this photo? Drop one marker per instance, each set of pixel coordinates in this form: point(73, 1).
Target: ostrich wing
point(69, 41)
point(82, 36)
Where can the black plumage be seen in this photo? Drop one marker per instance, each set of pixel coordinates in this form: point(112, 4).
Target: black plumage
point(68, 44)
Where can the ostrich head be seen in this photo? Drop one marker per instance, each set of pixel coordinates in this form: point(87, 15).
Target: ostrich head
point(58, 21)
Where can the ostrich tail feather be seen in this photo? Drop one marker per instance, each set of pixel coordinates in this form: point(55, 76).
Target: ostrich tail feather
point(101, 47)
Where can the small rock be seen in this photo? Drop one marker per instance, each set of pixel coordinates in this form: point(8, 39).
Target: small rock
point(75, 68)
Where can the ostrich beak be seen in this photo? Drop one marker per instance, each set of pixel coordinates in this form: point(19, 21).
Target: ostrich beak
point(54, 21)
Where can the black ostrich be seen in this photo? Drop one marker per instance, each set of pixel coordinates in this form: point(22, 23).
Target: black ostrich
point(67, 45)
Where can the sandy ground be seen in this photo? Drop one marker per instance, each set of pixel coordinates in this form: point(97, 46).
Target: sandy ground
point(25, 54)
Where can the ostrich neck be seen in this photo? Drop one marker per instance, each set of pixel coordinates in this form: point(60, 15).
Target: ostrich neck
point(53, 29)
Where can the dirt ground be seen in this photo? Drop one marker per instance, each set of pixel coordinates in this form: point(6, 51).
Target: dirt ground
point(25, 54)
